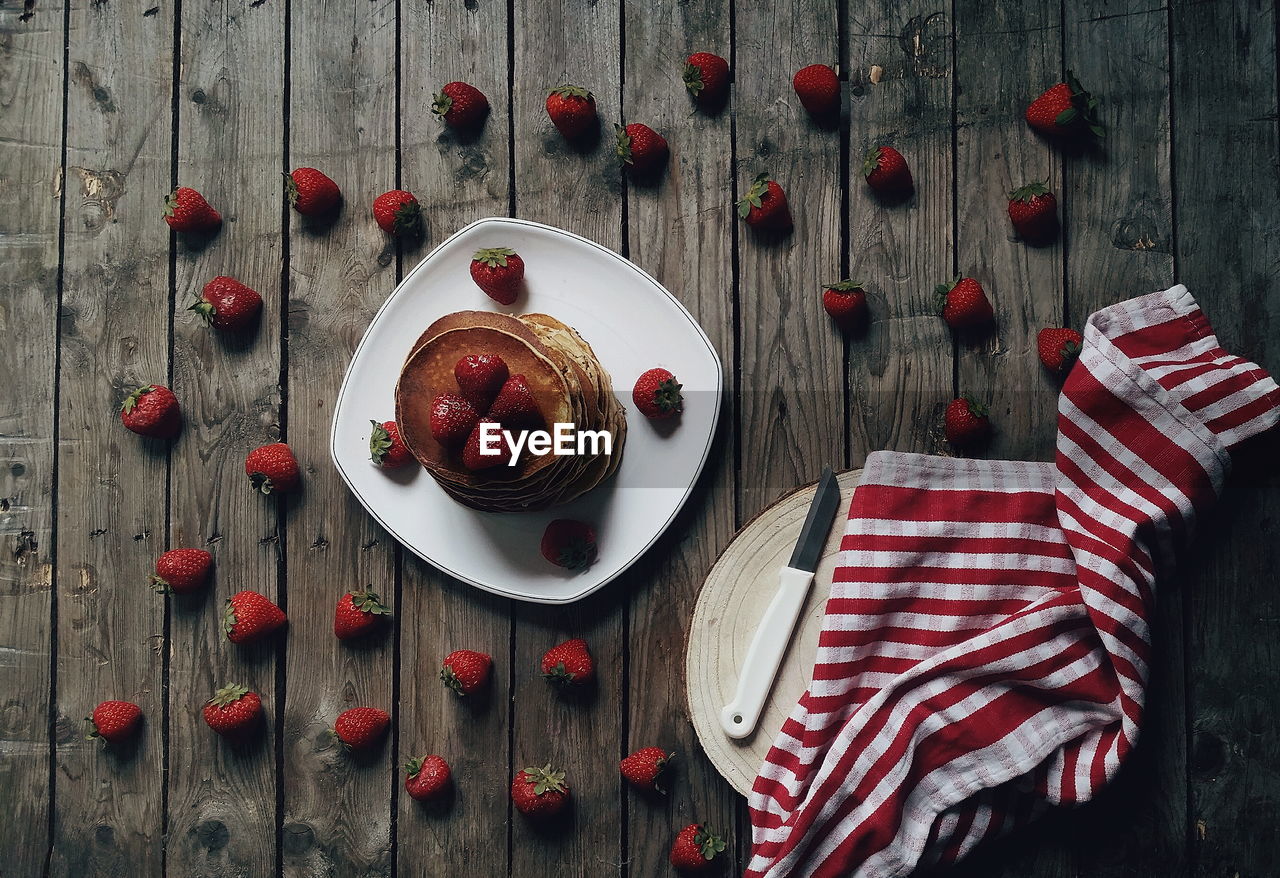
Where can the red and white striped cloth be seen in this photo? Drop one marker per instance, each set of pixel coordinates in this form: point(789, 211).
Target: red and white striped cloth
point(986, 646)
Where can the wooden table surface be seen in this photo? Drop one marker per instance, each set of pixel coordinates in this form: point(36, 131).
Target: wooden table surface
point(105, 105)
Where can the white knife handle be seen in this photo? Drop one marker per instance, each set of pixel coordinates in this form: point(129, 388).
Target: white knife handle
point(755, 679)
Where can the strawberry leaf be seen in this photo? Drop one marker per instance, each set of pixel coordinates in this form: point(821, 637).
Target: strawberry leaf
point(693, 78)
point(441, 104)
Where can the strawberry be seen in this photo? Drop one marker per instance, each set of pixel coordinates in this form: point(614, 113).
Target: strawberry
point(185, 210)
point(964, 304)
point(569, 663)
point(765, 205)
point(227, 304)
point(695, 848)
point(361, 727)
point(233, 710)
point(572, 110)
point(358, 614)
point(1034, 212)
point(515, 406)
point(398, 213)
point(386, 447)
point(657, 394)
point(114, 721)
point(466, 671)
point(568, 543)
point(152, 410)
point(644, 768)
point(887, 172)
point(460, 105)
point(846, 302)
point(818, 88)
point(272, 468)
point(473, 460)
point(540, 792)
point(966, 422)
point(480, 377)
point(1058, 348)
point(499, 271)
point(426, 777)
point(641, 149)
point(182, 571)
point(249, 617)
point(311, 192)
point(452, 419)
point(706, 76)
point(1065, 109)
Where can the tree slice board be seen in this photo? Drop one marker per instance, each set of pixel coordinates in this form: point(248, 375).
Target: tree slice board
point(733, 598)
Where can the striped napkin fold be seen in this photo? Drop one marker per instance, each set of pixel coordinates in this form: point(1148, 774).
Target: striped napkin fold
point(986, 647)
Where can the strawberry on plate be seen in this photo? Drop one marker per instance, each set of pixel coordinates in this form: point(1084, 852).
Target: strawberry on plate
point(966, 422)
point(1033, 210)
point(887, 172)
point(644, 768)
point(764, 205)
point(386, 447)
point(397, 213)
point(233, 710)
point(515, 406)
point(1065, 110)
point(152, 410)
point(460, 105)
point(272, 468)
point(964, 303)
point(480, 377)
point(641, 149)
point(657, 394)
point(846, 303)
point(466, 671)
point(706, 76)
point(228, 305)
point(695, 849)
point(361, 728)
point(1058, 348)
point(499, 271)
point(540, 792)
point(453, 418)
point(569, 543)
point(569, 663)
point(186, 211)
point(250, 616)
point(358, 613)
point(426, 777)
point(114, 721)
point(182, 571)
point(818, 88)
point(311, 192)
point(572, 110)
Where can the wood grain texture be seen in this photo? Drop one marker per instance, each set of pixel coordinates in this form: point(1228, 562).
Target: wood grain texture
point(30, 185)
point(111, 483)
point(1227, 205)
point(680, 230)
point(342, 111)
point(900, 371)
point(458, 179)
point(223, 798)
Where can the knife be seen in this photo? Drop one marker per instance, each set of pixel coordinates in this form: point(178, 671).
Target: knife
point(739, 717)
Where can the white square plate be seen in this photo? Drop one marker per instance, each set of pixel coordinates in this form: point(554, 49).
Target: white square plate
point(632, 323)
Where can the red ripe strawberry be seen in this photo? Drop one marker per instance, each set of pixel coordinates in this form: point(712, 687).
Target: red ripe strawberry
point(657, 394)
point(466, 671)
point(182, 571)
point(114, 721)
point(153, 411)
point(540, 792)
point(386, 448)
point(272, 468)
point(569, 543)
point(357, 614)
point(887, 172)
point(361, 727)
point(695, 849)
point(233, 710)
point(846, 302)
point(452, 419)
point(426, 777)
point(249, 617)
point(964, 303)
point(641, 149)
point(707, 78)
point(1058, 348)
point(311, 192)
point(818, 88)
point(185, 210)
point(398, 213)
point(966, 422)
point(499, 271)
point(500, 449)
point(227, 304)
point(765, 205)
point(572, 110)
point(480, 377)
point(461, 105)
point(644, 768)
point(515, 406)
point(1034, 212)
point(1065, 109)
point(569, 663)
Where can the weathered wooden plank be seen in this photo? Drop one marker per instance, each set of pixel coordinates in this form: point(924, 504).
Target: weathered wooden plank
point(681, 232)
point(111, 483)
point(578, 188)
point(900, 371)
point(222, 799)
point(1227, 217)
point(457, 179)
point(30, 181)
point(337, 808)
point(1005, 54)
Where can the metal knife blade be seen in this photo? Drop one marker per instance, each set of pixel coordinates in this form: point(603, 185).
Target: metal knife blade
point(817, 524)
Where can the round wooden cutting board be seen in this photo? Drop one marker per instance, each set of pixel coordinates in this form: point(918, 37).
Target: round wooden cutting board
point(733, 598)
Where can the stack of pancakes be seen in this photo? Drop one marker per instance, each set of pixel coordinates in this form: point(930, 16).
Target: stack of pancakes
point(567, 381)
